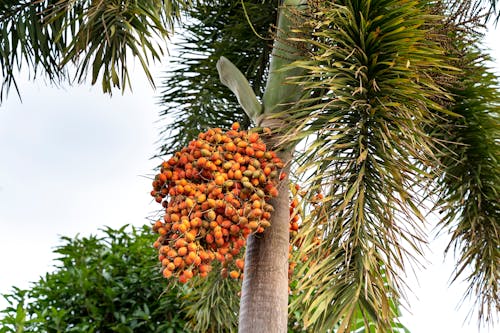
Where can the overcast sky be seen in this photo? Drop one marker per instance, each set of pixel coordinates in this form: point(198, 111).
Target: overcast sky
point(73, 160)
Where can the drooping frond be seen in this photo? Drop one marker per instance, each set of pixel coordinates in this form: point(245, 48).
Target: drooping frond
point(94, 37)
point(487, 9)
point(469, 190)
point(106, 33)
point(193, 97)
point(26, 40)
point(212, 304)
point(369, 97)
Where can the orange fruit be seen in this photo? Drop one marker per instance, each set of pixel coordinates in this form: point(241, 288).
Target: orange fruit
point(240, 263)
point(183, 278)
point(210, 190)
point(234, 274)
point(182, 251)
point(167, 273)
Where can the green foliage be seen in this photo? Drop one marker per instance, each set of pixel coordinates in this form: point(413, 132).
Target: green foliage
point(468, 190)
point(93, 37)
point(368, 99)
point(193, 97)
point(377, 79)
point(113, 284)
point(100, 284)
point(486, 9)
point(212, 304)
point(26, 40)
point(380, 121)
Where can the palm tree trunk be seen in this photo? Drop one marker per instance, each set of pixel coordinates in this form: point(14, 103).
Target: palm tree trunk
point(264, 299)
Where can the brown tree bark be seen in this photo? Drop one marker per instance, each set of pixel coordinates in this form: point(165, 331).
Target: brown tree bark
point(264, 299)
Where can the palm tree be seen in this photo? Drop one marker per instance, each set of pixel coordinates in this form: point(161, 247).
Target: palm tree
point(382, 107)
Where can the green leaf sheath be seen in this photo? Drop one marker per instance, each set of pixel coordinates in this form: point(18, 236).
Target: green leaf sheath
point(279, 94)
point(232, 78)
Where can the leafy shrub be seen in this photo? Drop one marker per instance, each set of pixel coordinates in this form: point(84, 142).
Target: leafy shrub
point(100, 284)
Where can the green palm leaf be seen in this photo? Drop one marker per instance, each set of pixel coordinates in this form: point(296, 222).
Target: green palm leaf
point(369, 97)
point(468, 191)
point(212, 304)
point(193, 97)
point(26, 40)
point(94, 37)
point(106, 32)
point(483, 9)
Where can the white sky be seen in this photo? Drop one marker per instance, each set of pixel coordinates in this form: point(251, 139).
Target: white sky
point(73, 160)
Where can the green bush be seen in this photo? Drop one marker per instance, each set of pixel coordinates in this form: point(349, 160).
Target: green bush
point(112, 283)
point(100, 284)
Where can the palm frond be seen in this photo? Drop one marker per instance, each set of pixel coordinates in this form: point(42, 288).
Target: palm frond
point(469, 189)
point(212, 304)
point(104, 33)
point(27, 40)
point(486, 9)
point(369, 97)
point(193, 97)
point(95, 37)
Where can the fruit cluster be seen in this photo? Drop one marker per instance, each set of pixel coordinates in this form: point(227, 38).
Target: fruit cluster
point(215, 193)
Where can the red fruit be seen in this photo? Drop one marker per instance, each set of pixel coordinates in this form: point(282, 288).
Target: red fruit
point(205, 268)
point(209, 238)
point(240, 263)
point(273, 192)
point(215, 192)
point(167, 273)
point(183, 279)
point(253, 137)
point(182, 251)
